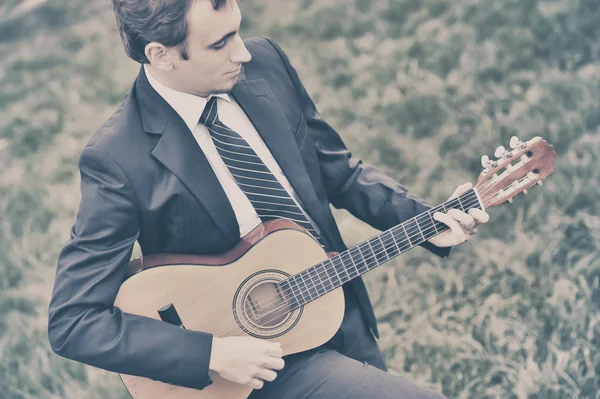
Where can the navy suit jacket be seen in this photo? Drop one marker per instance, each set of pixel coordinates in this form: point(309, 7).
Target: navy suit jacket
point(144, 178)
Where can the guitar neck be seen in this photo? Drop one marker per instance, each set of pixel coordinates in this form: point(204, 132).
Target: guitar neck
point(330, 274)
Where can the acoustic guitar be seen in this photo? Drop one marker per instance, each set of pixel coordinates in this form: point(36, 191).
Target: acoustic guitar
point(278, 284)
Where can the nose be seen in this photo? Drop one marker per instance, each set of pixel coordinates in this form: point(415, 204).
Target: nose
point(240, 53)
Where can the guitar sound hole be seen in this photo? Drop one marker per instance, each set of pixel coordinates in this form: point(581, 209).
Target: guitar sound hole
point(265, 305)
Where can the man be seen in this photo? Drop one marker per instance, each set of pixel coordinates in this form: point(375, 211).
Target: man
point(171, 169)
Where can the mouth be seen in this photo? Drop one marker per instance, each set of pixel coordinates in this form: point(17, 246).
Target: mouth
point(236, 72)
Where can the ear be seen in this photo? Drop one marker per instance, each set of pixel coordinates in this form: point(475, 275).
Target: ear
point(159, 56)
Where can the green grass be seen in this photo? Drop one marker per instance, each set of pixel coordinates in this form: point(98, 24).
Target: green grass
point(419, 88)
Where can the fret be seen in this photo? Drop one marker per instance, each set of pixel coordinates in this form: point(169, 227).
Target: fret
point(314, 277)
point(460, 203)
point(395, 242)
point(332, 273)
point(341, 270)
point(473, 200)
point(365, 255)
point(414, 229)
point(326, 283)
point(311, 287)
point(378, 253)
point(373, 255)
point(301, 287)
point(401, 238)
point(351, 274)
point(354, 262)
point(479, 200)
point(409, 228)
point(297, 281)
point(433, 221)
point(306, 288)
point(362, 257)
point(452, 205)
point(392, 247)
point(363, 260)
point(407, 237)
point(383, 246)
point(419, 226)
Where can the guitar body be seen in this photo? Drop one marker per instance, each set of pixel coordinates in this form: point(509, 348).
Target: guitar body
point(225, 295)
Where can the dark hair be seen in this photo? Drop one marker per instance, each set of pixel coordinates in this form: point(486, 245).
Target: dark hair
point(163, 21)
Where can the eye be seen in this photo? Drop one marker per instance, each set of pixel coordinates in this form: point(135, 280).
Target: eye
point(220, 46)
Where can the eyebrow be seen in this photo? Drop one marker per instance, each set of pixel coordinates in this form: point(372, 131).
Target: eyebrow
point(225, 37)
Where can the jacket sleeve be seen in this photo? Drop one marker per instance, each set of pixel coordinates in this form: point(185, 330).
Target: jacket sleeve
point(83, 324)
point(360, 188)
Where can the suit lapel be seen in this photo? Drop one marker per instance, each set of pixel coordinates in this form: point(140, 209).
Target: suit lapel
point(178, 150)
point(264, 111)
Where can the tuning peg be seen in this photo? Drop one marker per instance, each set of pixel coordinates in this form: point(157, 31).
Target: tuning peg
point(510, 200)
point(500, 151)
point(539, 183)
point(485, 161)
point(514, 142)
point(525, 192)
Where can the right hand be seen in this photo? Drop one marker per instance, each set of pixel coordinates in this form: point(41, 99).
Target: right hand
point(246, 360)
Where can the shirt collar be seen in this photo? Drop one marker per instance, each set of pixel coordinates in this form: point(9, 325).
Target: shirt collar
point(188, 106)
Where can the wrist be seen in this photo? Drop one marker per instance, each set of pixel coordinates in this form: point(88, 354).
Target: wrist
point(213, 364)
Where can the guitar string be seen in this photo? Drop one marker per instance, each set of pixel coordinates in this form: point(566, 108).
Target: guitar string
point(381, 249)
point(368, 269)
point(287, 310)
point(388, 240)
point(377, 249)
point(486, 188)
point(285, 306)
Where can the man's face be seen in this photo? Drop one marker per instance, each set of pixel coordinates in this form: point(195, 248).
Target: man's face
point(215, 50)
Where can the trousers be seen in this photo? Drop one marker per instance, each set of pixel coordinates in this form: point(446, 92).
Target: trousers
point(350, 365)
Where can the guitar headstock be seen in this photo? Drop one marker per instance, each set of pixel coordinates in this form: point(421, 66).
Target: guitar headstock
point(515, 171)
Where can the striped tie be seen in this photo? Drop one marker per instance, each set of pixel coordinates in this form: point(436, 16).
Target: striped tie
point(266, 194)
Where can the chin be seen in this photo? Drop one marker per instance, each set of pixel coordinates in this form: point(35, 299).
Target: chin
point(226, 88)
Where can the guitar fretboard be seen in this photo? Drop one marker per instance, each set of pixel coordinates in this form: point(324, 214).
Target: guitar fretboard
point(330, 274)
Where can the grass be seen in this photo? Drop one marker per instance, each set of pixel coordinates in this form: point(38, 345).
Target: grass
point(419, 88)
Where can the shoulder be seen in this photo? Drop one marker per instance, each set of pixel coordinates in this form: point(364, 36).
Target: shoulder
point(270, 62)
point(121, 136)
point(267, 55)
point(263, 46)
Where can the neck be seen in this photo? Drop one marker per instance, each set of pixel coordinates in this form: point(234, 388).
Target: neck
point(330, 274)
point(164, 79)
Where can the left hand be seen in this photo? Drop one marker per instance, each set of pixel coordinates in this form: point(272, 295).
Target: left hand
point(462, 225)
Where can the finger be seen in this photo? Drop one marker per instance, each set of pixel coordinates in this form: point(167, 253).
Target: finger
point(479, 215)
point(450, 222)
point(266, 374)
point(274, 349)
point(463, 188)
point(256, 383)
point(273, 363)
point(467, 221)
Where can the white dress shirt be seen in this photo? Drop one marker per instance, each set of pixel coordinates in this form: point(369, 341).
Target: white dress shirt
point(190, 108)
